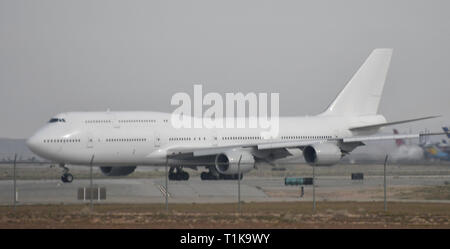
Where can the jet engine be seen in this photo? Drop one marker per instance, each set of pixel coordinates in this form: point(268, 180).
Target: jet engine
point(227, 163)
point(325, 154)
point(117, 171)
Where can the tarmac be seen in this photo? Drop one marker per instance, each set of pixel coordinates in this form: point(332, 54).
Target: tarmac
point(253, 189)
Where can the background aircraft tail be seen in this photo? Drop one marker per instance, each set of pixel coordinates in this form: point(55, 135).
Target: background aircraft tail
point(399, 142)
point(361, 96)
point(446, 131)
point(433, 151)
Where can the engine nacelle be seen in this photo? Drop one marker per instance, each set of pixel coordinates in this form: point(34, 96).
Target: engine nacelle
point(117, 171)
point(325, 154)
point(227, 163)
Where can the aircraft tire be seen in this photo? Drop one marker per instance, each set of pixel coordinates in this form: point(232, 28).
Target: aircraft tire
point(212, 177)
point(69, 177)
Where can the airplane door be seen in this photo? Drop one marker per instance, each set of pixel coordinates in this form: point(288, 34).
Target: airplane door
point(116, 123)
point(90, 140)
point(214, 137)
point(112, 117)
point(157, 139)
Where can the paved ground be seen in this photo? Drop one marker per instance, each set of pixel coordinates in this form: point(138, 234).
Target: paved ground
point(253, 188)
point(418, 195)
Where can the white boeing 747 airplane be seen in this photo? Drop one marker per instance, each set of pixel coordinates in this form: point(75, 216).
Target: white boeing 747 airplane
point(118, 142)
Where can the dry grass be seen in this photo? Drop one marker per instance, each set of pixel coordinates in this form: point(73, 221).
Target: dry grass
point(254, 215)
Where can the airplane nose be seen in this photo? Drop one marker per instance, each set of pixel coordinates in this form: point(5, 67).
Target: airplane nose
point(33, 143)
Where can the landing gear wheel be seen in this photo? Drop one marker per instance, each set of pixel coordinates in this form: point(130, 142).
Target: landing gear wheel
point(211, 176)
point(172, 174)
point(208, 176)
point(178, 175)
point(67, 178)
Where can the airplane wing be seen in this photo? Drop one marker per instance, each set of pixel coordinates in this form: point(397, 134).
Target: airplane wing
point(204, 151)
point(25, 162)
point(357, 139)
point(283, 145)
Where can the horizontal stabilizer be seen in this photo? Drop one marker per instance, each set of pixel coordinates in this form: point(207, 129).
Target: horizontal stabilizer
point(377, 126)
point(389, 137)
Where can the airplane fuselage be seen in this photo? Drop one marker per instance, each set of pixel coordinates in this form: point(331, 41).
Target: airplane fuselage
point(141, 138)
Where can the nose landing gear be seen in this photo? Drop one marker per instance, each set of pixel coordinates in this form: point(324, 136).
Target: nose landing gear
point(66, 176)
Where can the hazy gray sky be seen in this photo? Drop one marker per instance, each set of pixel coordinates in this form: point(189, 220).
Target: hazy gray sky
point(58, 56)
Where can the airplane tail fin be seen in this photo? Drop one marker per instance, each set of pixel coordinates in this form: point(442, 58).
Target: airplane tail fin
point(399, 142)
point(361, 96)
point(446, 131)
point(433, 150)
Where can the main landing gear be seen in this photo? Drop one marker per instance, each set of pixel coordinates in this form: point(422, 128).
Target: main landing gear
point(212, 174)
point(66, 176)
point(178, 175)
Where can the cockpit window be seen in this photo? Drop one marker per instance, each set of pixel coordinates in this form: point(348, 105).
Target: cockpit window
point(54, 120)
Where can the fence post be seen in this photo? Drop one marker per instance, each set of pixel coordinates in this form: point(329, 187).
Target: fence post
point(91, 185)
point(167, 187)
point(14, 182)
point(314, 189)
point(239, 184)
point(385, 203)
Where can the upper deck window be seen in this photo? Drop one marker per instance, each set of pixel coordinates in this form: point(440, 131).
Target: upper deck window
point(54, 120)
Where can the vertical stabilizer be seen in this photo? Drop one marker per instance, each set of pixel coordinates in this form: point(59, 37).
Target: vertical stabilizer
point(361, 96)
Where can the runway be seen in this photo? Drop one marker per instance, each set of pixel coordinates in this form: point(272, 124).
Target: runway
point(253, 189)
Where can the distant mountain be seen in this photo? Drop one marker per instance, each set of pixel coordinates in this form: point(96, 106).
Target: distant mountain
point(10, 146)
